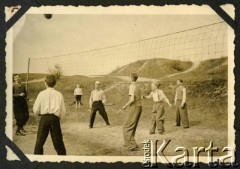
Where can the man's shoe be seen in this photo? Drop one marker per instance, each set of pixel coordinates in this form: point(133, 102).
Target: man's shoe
point(18, 133)
point(135, 148)
point(22, 130)
point(151, 132)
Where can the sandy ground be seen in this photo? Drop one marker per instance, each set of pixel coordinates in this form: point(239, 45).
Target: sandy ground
point(103, 140)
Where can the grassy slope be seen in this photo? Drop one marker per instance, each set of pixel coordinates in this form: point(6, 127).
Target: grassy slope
point(207, 70)
point(154, 68)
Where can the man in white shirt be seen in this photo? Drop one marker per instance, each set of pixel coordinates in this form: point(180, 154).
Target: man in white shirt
point(96, 102)
point(78, 96)
point(158, 110)
point(51, 107)
point(133, 115)
point(181, 106)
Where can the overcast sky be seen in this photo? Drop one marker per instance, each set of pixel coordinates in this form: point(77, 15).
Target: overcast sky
point(65, 34)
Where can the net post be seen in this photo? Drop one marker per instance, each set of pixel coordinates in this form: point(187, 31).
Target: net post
point(27, 75)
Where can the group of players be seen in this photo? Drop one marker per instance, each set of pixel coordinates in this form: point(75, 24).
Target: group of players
point(50, 105)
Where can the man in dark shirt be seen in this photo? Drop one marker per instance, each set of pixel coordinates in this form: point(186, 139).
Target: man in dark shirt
point(20, 107)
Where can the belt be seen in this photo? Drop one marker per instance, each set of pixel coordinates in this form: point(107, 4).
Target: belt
point(48, 114)
point(98, 101)
point(158, 102)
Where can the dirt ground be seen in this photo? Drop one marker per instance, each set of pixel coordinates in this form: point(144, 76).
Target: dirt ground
point(103, 140)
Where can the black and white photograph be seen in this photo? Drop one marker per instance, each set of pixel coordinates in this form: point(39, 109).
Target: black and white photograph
point(102, 84)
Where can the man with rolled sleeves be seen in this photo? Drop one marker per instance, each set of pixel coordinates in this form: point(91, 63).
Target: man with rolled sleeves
point(181, 106)
point(51, 107)
point(158, 109)
point(96, 102)
point(133, 114)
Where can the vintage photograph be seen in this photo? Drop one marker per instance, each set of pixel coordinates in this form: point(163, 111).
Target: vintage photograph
point(102, 84)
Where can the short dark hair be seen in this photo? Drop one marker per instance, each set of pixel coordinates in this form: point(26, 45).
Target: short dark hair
point(157, 83)
point(14, 75)
point(180, 80)
point(50, 80)
point(134, 76)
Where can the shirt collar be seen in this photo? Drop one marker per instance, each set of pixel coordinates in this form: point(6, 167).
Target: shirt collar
point(180, 86)
point(19, 84)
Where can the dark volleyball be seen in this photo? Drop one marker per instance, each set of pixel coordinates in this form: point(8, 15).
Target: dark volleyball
point(48, 16)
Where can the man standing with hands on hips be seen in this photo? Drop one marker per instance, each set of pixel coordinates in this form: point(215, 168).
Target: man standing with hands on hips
point(181, 106)
point(133, 114)
point(96, 103)
point(51, 107)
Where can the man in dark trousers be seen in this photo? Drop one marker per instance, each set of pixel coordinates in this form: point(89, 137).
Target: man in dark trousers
point(96, 102)
point(133, 114)
point(51, 107)
point(181, 105)
point(20, 106)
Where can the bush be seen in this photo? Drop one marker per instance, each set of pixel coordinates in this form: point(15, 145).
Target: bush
point(56, 71)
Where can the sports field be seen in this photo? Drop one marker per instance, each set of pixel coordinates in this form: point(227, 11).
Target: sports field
point(207, 97)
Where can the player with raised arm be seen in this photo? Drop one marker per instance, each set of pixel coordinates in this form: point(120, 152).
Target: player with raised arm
point(158, 110)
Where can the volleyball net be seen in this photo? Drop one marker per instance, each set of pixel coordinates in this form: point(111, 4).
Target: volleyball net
point(195, 45)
